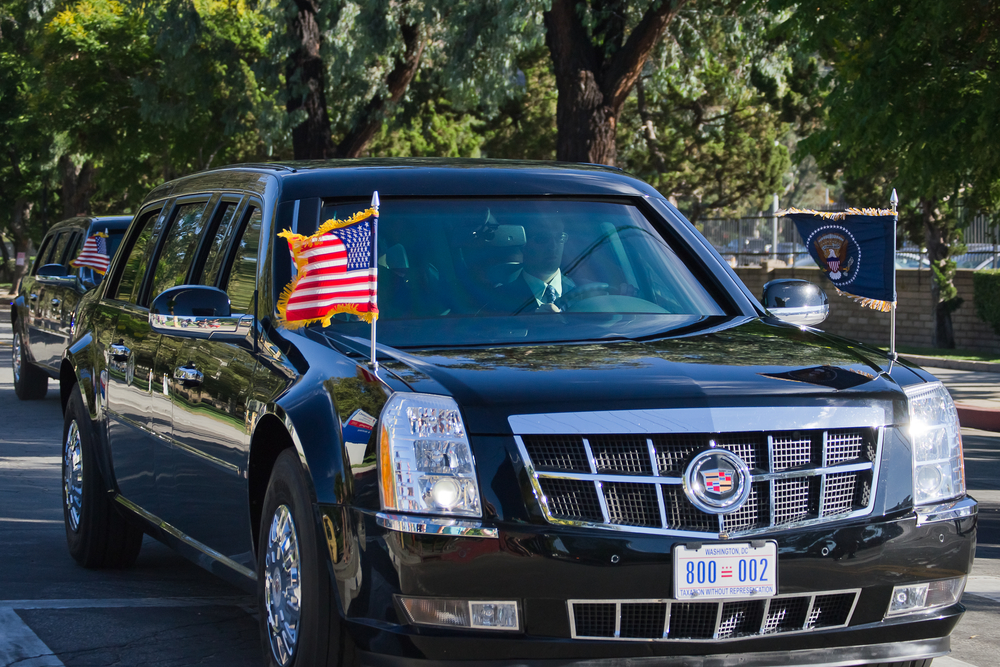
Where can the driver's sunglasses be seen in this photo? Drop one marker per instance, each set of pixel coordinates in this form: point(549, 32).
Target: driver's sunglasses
point(542, 239)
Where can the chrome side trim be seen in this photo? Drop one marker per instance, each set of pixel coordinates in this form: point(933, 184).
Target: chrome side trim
point(191, 542)
point(698, 420)
point(405, 523)
point(949, 511)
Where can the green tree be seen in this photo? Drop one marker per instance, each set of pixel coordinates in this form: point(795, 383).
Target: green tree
point(712, 108)
point(348, 65)
point(25, 148)
point(145, 94)
point(912, 105)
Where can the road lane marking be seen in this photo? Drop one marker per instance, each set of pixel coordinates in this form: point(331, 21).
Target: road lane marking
point(20, 645)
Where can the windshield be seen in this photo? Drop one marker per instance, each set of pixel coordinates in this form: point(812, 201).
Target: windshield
point(467, 271)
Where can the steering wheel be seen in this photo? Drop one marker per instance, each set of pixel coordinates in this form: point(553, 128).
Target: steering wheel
point(582, 292)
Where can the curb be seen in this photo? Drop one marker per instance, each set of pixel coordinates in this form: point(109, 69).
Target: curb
point(984, 419)
point(954, 364)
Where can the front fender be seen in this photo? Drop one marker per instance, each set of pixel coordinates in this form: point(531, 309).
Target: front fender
point(77, 368)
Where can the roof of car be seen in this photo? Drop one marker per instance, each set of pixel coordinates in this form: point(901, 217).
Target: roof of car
point(112, 222)
point(425, 177)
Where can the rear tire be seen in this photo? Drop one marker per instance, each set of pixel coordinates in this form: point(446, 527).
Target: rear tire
point(299, 624)
point(30, 383)
point(97, 534)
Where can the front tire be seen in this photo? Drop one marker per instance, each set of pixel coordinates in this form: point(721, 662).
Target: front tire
point(97, 534)
point(30, 383)
point(294, 591)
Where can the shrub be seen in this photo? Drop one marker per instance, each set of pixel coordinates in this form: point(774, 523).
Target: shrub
point(986, 292)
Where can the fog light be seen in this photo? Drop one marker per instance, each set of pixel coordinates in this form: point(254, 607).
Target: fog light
point(486, 615)
point(495, 615)
point(920, 597)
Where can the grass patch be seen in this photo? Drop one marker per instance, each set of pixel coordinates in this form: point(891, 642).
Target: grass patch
point(962, 355)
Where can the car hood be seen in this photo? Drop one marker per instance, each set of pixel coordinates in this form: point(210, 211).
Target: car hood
point(740, 362)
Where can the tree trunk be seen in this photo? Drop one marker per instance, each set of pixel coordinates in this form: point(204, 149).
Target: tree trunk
point(306, 85)
point(356, 141)
point(942, 286)
point(593, 82)
point(77, 186)
point(22, 240)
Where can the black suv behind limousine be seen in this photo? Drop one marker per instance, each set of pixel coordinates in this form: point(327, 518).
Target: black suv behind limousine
point(42, 313)
point(579, 437)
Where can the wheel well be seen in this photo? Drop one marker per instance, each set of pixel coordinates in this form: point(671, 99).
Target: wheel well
point(270, 438)
point(67, 380)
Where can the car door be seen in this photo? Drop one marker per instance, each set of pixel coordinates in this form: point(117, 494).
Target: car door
point(130, 348)
point(210, 384)
point(64, 297)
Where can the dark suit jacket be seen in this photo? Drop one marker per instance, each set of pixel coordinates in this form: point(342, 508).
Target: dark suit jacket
point(516, 297)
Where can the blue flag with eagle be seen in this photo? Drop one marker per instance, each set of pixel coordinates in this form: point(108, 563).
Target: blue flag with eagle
point(856, 250)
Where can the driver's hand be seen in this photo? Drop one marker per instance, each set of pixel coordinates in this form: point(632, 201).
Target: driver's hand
point(548, 308)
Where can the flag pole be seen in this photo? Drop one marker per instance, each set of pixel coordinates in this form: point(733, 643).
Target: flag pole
point(894, 201)
point(374, 298)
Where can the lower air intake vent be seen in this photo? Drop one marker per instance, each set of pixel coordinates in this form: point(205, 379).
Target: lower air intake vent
point(667, 620)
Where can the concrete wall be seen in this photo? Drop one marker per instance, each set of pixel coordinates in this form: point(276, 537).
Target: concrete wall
point(914, 314)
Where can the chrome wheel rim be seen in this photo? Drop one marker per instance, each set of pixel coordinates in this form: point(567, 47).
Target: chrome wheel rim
point(16, 357)
point(282, 585)
point(73, 476)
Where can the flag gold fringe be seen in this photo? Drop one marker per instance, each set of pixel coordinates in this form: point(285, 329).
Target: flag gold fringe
point(836, 215)
point(296, 243)
point(865, 302)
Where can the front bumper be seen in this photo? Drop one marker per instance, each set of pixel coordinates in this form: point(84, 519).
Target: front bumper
point(544, 567)
point(817, 657)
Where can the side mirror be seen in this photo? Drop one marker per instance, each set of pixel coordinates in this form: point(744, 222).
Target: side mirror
point(52, 271)
point(197, 311)
point(796, 301)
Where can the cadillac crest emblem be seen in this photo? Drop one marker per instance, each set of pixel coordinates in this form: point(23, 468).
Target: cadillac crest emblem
point(717, 481)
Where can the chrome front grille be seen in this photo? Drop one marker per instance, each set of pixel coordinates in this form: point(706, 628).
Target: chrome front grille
point(667, 620)
point(635, 481)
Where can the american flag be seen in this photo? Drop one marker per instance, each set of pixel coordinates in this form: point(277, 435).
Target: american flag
point(94, 254)
point(335, 272)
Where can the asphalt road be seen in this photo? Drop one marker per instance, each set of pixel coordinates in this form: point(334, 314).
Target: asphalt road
point(168, 612)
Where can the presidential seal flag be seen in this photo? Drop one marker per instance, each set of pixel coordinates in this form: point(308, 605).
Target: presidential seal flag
point(94, 254)
point(336, 273)
point(856, 249)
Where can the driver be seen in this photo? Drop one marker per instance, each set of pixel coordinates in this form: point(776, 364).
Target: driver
point(540, 283)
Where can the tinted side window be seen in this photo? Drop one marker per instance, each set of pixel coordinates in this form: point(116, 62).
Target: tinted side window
point(225, 216)
point(179, 247)
point(243, 277)
point(137, 258)
point(73, 249)
point(44, 251)
point(59, 249)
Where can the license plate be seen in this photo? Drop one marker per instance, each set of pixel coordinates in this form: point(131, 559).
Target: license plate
point(719, 571)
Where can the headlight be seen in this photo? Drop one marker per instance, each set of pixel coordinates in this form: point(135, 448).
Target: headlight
point(938, 467)
point(425, 458)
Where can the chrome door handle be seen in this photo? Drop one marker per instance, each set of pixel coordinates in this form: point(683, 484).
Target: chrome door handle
point(119, 351)
point(189, 375)
point(55, 302)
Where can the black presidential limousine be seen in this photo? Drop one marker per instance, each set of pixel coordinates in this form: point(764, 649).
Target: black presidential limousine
point(582, 438)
